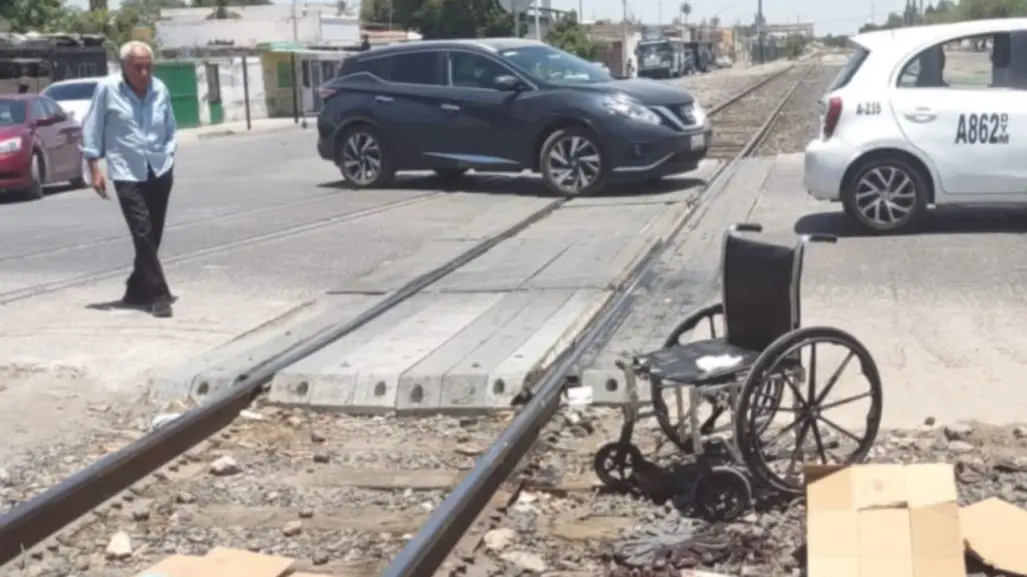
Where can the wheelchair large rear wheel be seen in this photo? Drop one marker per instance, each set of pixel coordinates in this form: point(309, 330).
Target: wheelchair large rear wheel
point(806, 420)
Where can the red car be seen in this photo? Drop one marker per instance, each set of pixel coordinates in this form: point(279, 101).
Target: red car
point(39, 145)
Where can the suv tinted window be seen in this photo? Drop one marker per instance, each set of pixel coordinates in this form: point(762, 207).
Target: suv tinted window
point(377, 66)
point(417, 68)
point(473, 70)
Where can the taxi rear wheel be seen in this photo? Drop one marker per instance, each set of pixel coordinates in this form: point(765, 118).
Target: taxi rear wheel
point(886, 195)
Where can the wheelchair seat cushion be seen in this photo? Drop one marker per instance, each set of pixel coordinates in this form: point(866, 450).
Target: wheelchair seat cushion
point(707, 362)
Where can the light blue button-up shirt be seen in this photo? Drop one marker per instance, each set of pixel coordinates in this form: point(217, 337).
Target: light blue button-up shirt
point(133, 134)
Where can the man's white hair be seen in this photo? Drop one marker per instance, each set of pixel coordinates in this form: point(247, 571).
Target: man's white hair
point(134, 46)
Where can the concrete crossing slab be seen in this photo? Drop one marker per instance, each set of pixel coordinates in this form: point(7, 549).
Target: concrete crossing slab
point(219, 367)
point(444, 352)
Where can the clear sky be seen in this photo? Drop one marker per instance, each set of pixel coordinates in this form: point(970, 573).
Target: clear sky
point(829, 17)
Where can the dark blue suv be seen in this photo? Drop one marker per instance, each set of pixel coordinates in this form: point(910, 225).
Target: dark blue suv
point(504, 105)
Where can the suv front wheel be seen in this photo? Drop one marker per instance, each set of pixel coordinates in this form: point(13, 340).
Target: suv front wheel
point(363, 157)
point(572, 162)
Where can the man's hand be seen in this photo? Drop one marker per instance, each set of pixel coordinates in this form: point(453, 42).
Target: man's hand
point(99, 182)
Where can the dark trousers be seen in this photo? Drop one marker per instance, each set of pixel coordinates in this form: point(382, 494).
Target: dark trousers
point(145, 204)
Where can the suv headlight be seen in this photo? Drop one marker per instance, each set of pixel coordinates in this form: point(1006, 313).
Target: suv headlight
point(629, 109)
point(10, 145)
point(698, 113)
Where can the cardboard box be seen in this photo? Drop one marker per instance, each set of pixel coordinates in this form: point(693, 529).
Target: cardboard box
point(883, 521)
point(225, 562)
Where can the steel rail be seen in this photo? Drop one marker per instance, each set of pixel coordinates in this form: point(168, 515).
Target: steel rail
point(32, 521)
point(29, 523)
point(425, 553)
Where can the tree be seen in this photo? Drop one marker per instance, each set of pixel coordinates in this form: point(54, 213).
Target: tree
point(685, 9)
point(30, 15)
point(462, 19)
point(568, 35)
point(715, 23)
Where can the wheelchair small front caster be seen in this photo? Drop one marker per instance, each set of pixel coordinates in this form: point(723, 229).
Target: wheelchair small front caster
point(616, 465)
point(722, 494)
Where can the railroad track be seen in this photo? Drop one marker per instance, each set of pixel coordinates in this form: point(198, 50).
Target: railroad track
point(346, 495)
point(734, 120)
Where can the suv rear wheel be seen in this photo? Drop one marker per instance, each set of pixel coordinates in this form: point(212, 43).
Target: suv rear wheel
point(886, 196)
point(572, 162)
point(363, 157)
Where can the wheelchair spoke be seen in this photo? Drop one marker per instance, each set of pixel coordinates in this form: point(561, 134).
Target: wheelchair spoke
point(820, 443)
point(795, 391)
point(780, 434)
point(800, 440)
point(838, 428)
point(811, 380)
point(845, 401)
point(834, 378)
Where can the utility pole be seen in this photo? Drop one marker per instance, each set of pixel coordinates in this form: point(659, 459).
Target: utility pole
point(624, 24)
point(659, 14)
point(538, 27)
point(581, 11)
point(295, 24)
point(759, 30)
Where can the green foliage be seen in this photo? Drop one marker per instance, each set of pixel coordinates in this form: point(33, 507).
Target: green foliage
point(30, 15)
point(568, 35)
point(462, 19)
point(948, 11)
point(116, 25)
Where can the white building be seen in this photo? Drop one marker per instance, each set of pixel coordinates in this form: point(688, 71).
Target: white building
point(248, 26)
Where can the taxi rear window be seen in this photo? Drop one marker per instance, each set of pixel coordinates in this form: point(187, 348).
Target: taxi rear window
point(850, 68)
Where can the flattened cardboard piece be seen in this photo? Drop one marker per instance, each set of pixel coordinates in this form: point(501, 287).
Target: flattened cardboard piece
point(880, 519)
point(994, 531)
point(222, 561)
point(175, 566)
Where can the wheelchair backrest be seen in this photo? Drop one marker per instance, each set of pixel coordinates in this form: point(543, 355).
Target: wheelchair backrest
point(761, 290)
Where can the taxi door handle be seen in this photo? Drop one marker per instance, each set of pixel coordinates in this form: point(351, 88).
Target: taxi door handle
point(450, 107)
point(921, 114)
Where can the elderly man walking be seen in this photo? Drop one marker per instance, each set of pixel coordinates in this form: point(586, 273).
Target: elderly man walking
point(131, 124)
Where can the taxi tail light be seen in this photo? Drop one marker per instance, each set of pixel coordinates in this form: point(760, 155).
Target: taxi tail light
point(831, 116)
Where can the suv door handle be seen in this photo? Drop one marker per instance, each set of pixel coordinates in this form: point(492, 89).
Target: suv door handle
point(383, 99)
point(450, 107)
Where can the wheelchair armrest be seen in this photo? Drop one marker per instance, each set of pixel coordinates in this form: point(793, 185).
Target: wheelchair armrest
point(690, 323)
point(746, 227)
point(818, 237)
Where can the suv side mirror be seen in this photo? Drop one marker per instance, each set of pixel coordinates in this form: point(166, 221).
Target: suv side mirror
point(508, 82)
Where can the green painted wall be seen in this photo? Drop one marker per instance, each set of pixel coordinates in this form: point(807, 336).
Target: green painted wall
point(180, 78)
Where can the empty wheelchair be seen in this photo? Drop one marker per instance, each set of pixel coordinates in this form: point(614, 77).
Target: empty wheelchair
point(762, 367)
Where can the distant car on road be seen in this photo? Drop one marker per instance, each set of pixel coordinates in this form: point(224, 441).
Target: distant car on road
point(921, 116)
point(504, 105)
point(39, 145)
point(74, 95)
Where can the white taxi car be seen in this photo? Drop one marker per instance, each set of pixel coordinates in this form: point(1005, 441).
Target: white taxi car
point(921, 116)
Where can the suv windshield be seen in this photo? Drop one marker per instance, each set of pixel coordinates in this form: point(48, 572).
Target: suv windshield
point(12, 112)
point(552, 65)
point(71, 91)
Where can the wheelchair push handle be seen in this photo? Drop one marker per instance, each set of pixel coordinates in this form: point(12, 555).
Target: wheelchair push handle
point(747, 227)
point(817, 237)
